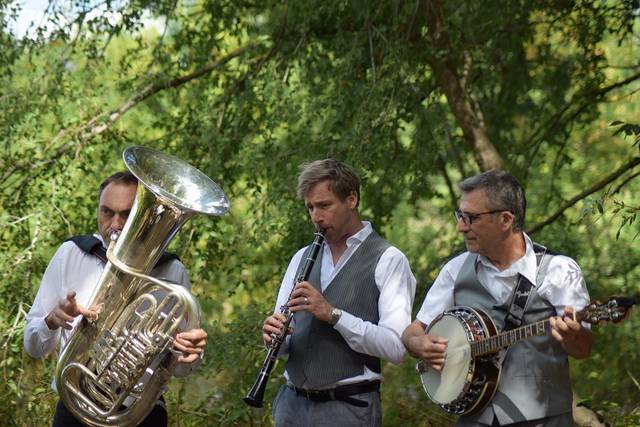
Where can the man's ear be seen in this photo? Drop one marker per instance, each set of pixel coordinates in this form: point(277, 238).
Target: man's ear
point(352, 200)
point(507, 219)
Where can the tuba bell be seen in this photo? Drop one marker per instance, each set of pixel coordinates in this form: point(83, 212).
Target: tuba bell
point(115, 366)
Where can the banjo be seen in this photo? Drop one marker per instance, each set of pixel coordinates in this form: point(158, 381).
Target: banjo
point(471, 372)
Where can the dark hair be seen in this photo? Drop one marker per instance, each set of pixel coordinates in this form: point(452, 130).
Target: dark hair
point(503, 192)
point(124, 177)
point(343, 180)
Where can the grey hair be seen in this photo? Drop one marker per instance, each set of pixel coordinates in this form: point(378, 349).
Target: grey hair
point(503, 191)
point(343, 180)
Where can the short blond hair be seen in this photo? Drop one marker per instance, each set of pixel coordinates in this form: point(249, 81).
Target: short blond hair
point(343, 180)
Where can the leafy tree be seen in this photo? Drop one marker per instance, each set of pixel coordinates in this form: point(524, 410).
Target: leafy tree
point(415, 95)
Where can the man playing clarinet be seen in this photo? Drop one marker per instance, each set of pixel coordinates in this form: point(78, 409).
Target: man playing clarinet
point(348, 315)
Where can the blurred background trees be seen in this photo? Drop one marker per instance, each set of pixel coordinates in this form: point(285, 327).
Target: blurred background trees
point(414, 94)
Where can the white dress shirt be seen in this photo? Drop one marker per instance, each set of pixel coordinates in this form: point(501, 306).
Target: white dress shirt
point(72, 269)
point(562, 286)
point(397, 287)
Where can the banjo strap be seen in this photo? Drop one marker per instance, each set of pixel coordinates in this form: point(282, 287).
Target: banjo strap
point(520, 296)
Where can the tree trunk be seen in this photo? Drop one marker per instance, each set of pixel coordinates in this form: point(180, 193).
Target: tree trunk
point(465, 110)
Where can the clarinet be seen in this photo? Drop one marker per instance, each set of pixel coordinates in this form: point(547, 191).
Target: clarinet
point(255, 396)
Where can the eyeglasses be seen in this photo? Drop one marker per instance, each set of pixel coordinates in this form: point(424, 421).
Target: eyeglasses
point(468, 217)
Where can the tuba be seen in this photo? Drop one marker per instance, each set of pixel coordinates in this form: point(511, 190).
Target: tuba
point(115, 366)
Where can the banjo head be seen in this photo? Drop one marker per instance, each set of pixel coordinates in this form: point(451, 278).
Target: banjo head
point(446, 386)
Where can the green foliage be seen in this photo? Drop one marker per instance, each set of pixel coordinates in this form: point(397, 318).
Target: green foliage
point(352, 80)
point(628, 129)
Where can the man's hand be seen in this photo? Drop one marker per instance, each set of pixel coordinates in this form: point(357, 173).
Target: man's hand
point(191, 344)
point(429, 348)
point(576, 340)
point(273, 326)
point(307, 298)
point(63, 314)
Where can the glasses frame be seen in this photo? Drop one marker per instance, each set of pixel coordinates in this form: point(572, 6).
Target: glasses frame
point(467, 217)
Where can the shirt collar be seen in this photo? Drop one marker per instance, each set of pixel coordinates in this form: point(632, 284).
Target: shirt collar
point(361, 235)
point(526, 265)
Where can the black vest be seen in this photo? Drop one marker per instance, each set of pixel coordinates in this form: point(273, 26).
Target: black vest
point(318, 355)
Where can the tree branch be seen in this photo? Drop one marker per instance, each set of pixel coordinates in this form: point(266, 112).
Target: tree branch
point(541, 133)
point(625, 182)
point(597, 186)
point(96, 129)
point(98, 124)
point(452, 192)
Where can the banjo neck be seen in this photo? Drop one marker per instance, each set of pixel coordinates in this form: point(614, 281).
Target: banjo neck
point(497, 342)
point(613, 310)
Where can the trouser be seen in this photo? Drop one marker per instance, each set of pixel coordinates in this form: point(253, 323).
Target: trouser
point(156, 418)
point(562, 420)
point(292, 409)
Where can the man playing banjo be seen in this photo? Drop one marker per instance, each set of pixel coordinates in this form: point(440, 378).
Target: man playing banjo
point(515, 282)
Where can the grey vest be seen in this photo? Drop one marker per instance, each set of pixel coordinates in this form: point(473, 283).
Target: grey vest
point(534, 382)
point(318, 355)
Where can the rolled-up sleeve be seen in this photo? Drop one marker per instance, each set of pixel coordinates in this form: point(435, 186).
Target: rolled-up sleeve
point(397, 286)
point(39, 340)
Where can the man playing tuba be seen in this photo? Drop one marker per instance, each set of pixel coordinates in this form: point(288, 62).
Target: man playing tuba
point(69, 281)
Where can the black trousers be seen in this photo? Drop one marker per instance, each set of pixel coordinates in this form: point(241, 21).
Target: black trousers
point(156, 418)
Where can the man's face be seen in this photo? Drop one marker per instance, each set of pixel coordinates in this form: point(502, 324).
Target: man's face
point(484, 232)
point(329, 212)
point(115, 204)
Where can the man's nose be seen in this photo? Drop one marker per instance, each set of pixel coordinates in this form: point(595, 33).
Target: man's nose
point(118, 222)
point(316, 217)
point(462, 226)
point(318, 222)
